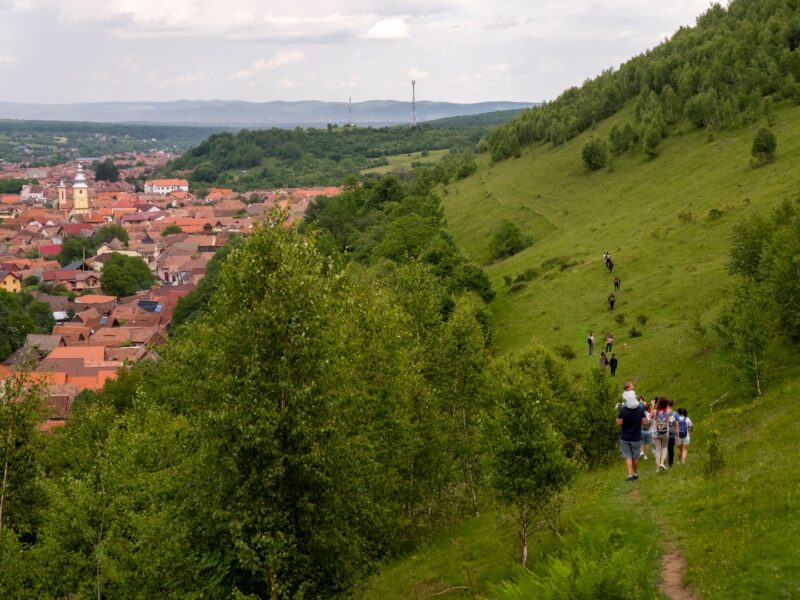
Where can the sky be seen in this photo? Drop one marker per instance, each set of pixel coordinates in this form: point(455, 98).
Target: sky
point(57, 51)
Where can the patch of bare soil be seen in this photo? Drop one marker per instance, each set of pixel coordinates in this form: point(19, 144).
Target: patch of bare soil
point(673, 566)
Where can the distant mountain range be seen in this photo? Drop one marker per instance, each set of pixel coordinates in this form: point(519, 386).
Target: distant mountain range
point(250, 114)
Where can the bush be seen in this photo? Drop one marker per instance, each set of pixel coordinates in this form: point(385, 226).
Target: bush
point(595, 154)
point(565, 351)
point(716, 459)
point(642, 319)
point(764, 145)
point(620, 318)
point(714, 214)
point(507, 240)
point(519, 285)
point(685, 217)
point(634, 333)
point(508, 280)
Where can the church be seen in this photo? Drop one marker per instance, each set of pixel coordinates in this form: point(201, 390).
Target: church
point(77, 199)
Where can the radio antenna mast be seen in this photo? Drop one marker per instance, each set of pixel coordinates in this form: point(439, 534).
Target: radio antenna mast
point(414, 103)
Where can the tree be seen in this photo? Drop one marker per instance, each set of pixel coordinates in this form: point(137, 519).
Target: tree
point(108, 232)
point(621, 137)
point(764, 145)
point(171, 230)
point(746, 327)
point(106, 171)
point(75, 248)
point(125, 275)
point(507, 240)
point(527, 464)
point(21, 399)
point(651, 140)
point(595, 154)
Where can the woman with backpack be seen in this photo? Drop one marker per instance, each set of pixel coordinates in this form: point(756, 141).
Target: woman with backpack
point(684, 427)
point(661, 436)
point(647, 433)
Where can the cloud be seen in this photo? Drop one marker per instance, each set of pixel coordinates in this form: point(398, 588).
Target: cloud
point(261, 65)
point(418, 74)
point(6, 60)
point(389, 29)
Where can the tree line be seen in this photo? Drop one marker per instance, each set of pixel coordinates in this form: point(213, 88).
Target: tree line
point(275, 157)
point(726, 71)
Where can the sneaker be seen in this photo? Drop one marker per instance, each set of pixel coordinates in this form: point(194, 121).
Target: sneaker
point(636, 478)
point(631, 478)
point(645, 456)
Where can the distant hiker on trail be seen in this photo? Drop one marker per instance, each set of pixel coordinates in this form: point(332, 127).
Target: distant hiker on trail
point(611, 300)
point(617, 283)
point(609, 341)
point(606, 258)
point(673, 419)
point(661, 437)
point(613, 364)
point(684, 426)
point(603, 361)
point(610, 265)
point(590, 341)
point(630, 419)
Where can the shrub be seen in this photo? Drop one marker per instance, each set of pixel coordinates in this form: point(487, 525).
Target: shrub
point(716, 459)
point(507, 240)
point(565, 351)
point(519, 285)
point(595, 154)
point(634, 333)
point(764, 145)
point(642, 319)
point(508, 279)
point(714, 213)
point(685, 217)
point(620, 318)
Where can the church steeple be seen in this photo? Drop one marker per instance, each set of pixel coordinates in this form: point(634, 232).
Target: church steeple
point(80, 193)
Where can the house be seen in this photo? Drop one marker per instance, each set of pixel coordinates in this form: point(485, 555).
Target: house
point(165, 186)
point(10, 282)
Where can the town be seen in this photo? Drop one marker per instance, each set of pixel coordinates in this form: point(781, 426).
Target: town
point(171, 230)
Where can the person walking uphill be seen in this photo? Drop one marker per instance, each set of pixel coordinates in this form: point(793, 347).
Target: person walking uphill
point(590, 341)
point(603, 362)
point(630, 419)
point(609, 341)
point(661, 436)
point(613, 364)
point(611, 300)
point(617, 283)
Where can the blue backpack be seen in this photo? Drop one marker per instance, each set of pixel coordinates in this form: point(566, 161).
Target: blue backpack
point(683, 427)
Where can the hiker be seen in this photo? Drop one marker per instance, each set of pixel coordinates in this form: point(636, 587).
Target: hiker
point(610, 265)
point(613, 362)
point(617, 283)
point(661, 437)
point(606, 257)
point(672, 428)
point(603, 360)
point(611, 300)
point(590, 341)
point(684, 427)
point(609, 341)
point(630, 419)
point(647, 432)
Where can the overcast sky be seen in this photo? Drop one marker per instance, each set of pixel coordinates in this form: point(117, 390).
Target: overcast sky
point(458, 50)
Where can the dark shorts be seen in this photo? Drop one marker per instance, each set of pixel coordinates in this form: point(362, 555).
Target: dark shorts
point(630, 449)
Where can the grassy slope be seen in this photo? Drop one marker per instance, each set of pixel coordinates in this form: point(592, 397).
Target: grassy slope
point(736, 531)
point(402, 162)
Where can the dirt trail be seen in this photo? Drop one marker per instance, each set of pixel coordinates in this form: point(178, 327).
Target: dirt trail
point(672, 567)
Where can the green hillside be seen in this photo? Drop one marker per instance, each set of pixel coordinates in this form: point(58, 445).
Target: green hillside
point(661, 221)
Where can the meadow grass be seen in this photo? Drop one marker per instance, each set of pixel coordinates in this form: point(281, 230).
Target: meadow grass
point(668, 225)
point(402, 162)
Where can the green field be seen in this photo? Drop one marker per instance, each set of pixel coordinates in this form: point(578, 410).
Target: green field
point(402, 162)
point(736, 530)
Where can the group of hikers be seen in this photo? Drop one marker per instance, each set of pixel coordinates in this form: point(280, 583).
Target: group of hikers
point(651, 425)
point(605, 361)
